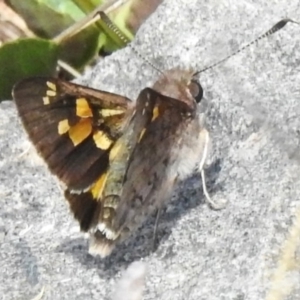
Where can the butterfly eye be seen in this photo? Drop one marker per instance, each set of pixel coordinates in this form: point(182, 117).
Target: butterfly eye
point(196, 90)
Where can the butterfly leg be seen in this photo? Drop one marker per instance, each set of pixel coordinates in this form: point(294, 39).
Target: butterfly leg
point(214, 205)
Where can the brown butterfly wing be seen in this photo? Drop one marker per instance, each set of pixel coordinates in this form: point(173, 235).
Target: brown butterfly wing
point(150, 181)
point(157, 118)
point(104, 195)
point(73, 127)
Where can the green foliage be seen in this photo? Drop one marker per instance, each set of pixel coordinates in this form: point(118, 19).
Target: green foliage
point(24, 58)
point(50, 19)
point(47, 18)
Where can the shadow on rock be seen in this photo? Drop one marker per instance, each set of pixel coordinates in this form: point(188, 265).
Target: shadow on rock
point(140, 244)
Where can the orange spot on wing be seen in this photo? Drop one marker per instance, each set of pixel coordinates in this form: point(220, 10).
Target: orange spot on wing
point(51, 85)
point(46, 100)
point(101, 140)
point(155, 113)
point(83, 109)
point(50, 93)
point(99, 186)
point(79, 132)
point(106, 112)
point(115, 151)
point(63, 127)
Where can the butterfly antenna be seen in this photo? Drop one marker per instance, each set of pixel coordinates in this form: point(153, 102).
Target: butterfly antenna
point(271, 31)
point(124, 39)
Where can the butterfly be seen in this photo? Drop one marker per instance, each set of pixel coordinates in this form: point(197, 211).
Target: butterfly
point(119, 159)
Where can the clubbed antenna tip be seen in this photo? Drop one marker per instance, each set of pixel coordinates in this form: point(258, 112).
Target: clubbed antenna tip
point(279, 25)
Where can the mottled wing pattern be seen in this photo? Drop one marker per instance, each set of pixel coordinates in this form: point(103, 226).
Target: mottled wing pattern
point(146, 169)
point(147, 178)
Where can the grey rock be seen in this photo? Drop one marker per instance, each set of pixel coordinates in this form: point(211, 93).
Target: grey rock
point(252, 114)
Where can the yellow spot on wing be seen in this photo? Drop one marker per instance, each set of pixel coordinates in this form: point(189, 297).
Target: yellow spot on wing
point(142, 134)
point(46, 100)
point(82, 108)
point(155, 113)
point(50, 93)
point(63, 127)
point(99, 186)
point(101, 140)
point(51, 85)
point(79, 132)
point(115, 151)
point(106, 112)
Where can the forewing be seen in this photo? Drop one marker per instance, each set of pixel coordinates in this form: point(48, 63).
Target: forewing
point(73, 127)
point(156, 116)
point(105, 194)
point(148, 180)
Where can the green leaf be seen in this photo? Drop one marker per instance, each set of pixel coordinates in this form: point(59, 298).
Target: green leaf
point(81, 48)
point(87, 5)
point(24, 58)
point(47, 18)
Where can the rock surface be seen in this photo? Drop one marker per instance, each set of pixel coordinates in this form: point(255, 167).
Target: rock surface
point(253, 108)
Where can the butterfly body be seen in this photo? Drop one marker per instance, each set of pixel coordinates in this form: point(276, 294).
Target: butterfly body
point(118, 159)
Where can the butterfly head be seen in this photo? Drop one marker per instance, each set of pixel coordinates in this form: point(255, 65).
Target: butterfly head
point(180, 84)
